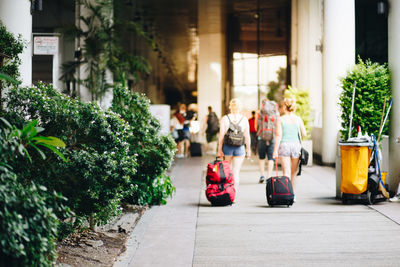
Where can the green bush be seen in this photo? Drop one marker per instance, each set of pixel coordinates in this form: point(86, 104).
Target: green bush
point(28, 221)
point(11, 46)
point(155, 151)
point(100, 158)
point(28, 226)
point(373, 85)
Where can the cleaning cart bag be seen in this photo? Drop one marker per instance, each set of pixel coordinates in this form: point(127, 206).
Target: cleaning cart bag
point(279, 191)
point(221, 194)
point(218, 172)
point(354, 169)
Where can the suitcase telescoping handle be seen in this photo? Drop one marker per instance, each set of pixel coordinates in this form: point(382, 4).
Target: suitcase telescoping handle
point(276, 166)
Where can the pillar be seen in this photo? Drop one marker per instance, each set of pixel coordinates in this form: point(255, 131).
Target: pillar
point(16, 16)
point(212, 56)
point(338, 57)
point(394, 65)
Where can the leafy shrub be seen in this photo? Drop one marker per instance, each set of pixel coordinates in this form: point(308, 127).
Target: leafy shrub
point(28, 224)
point(28, 228)
point(100, 159)
point(155, 151)
point(372, 86)
point(11, 46)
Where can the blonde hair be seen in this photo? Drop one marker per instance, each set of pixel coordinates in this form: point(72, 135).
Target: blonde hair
point(289, 104)
point(235, 106)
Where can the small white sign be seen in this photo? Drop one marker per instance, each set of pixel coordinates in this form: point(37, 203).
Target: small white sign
point(45, 45)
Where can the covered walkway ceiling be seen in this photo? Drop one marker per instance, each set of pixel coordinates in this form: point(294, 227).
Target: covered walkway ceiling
point(176, 29)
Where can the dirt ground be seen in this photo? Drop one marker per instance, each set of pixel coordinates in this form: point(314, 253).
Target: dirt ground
point(102, 247)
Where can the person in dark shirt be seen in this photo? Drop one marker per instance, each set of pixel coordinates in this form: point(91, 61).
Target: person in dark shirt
point(253, 132)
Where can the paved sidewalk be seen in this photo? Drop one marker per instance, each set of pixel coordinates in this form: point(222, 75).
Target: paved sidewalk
point(316, 231)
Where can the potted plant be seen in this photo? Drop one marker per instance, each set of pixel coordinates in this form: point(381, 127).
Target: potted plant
point(371, 90)
point(303, 110)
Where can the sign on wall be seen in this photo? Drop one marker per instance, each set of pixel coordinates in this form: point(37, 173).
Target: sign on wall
point(45, 45)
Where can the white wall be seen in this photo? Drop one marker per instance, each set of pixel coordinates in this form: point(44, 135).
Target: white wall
point(16, 16)
point(307, 71)
point(394, 65)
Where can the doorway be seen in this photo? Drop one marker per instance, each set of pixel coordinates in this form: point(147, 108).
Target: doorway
point(258, 51)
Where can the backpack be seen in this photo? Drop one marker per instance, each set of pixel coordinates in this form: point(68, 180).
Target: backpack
point(234, 136)
point(220, 183)
point(267, 120)
point(212, 123)
point(219, 172)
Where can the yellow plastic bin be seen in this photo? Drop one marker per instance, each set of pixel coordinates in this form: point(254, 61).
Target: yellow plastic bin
point(354, 168)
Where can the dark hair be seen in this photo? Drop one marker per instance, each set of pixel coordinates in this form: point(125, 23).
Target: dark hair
point(209, 108)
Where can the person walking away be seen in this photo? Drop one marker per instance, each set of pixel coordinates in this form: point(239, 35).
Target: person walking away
point(396, 198)
point(234, 138)
point(266, 125)
point(177, 123)
point(287, 141)
point(211, 124)
point(188, 115)
point(253, 132)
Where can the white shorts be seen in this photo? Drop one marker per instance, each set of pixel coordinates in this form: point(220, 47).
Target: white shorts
point(289, 149)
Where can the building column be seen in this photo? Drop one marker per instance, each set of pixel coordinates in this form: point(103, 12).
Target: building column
point(394, 66)
point(338, 57)
point(16, 16)
point(306, 52)
point(212, 56)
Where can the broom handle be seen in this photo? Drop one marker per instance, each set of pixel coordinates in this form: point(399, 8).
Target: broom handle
point(352, 108)
point(384, 121)
point(383, 113)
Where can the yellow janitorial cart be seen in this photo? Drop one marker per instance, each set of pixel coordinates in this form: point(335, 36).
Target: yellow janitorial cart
point(355, 160)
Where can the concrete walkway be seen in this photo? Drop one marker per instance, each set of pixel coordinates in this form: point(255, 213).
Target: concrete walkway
point(316, 231)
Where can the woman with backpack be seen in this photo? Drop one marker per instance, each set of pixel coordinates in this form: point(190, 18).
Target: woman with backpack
point(287, 140)
point(234, 138)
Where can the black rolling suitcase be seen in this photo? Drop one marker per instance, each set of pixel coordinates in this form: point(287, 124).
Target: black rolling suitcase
point(195, 149)
point(279, 190)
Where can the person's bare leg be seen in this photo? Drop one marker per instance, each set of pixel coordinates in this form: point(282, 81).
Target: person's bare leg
point(285, 163)
point(180, 148)
point(237, 164)
point(187, 146)
point(261, 166)
point(294, 162)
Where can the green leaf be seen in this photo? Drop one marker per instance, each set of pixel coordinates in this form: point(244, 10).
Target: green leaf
point(49, 140)
point(6, 122)
point(55, 150)
point(29, 129)
point(39, 151)
point(6, 77)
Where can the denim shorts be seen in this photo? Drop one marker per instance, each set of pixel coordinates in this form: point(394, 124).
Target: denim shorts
point(289, 149)
point(233, 150)
point(264, 149)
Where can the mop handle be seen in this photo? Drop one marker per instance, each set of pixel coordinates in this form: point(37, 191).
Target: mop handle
point(384, 121)
point(352, 108)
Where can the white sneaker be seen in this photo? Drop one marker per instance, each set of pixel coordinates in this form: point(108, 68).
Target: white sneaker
point(180, 156)
point(396, 198)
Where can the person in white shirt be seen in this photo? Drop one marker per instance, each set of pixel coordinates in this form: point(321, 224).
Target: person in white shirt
point(234, 154)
